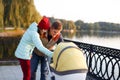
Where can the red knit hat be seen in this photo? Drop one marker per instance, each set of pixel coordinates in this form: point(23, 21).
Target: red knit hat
point(44, 23)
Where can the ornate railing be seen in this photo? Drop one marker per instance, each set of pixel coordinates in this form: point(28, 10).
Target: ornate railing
point(103, 62)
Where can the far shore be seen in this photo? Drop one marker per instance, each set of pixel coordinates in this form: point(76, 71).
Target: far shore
point(11, 33)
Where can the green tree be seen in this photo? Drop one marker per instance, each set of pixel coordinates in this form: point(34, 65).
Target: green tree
point(1, 14)
point(79, 24)
point(19, 13)
point(71, 25)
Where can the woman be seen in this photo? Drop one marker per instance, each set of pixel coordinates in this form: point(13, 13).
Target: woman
point(29, 41)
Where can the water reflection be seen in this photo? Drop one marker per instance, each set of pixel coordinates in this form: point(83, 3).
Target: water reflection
point(79, 34)
point(107, 39)
point(7, 47)
point(101, 38)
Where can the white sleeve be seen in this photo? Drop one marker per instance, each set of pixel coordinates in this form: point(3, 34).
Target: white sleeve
point(38, 43)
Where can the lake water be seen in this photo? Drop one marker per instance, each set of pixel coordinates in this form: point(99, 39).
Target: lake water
point(106, 39)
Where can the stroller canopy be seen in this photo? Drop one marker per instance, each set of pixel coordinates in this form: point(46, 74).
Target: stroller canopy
point(68, 58)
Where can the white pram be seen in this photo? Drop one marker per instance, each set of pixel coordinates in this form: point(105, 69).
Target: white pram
point(68, 63)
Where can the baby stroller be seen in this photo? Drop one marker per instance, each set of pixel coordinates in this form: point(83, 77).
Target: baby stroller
point(68, 63)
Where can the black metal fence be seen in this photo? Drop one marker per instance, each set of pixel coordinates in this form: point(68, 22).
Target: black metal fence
point(103, 62)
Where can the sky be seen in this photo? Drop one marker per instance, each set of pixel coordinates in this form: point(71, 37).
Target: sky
point(89, 11)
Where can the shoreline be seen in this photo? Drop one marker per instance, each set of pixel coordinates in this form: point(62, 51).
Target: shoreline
point(12, 33)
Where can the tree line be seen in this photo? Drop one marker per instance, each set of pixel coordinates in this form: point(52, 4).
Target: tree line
point(17, 13)
point(21, 13)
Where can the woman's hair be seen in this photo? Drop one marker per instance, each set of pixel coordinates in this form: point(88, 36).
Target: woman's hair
point(57, 25)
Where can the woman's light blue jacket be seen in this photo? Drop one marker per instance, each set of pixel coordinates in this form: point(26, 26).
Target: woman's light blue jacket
point(29, 41)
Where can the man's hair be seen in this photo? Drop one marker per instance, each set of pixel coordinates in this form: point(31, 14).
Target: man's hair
point(57, 25)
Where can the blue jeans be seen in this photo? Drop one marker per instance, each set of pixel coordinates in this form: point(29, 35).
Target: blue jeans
point(34, 65)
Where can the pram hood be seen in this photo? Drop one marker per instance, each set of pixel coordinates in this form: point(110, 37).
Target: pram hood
point(68, 57)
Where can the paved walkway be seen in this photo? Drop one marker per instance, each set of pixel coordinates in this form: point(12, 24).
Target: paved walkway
point(13, 72)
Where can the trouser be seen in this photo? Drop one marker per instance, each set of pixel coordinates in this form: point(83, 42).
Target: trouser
point(25, 66)
point(34, 65)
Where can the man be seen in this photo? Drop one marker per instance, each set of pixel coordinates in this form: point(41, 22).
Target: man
point(49, 40)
